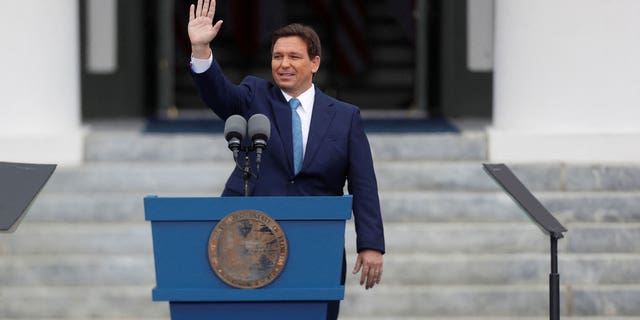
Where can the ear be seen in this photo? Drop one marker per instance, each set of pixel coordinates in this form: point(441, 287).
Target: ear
point(315, 64)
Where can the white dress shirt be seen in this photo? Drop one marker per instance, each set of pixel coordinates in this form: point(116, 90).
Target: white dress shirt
point(201, 65)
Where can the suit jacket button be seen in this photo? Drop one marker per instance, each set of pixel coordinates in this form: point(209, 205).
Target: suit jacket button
point(292, 181)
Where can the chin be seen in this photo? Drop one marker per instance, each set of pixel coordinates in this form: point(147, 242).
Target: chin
point(284, 86)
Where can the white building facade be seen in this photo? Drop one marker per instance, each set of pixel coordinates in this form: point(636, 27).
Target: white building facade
point(40, 81)
point(566, 81)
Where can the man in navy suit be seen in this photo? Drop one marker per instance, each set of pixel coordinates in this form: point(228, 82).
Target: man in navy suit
point(334, 147)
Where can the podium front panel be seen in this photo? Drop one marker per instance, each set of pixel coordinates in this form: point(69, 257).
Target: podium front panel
point(314, 228)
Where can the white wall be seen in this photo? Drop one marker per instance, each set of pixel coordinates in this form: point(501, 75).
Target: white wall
point(566, 81)
point(40, 82)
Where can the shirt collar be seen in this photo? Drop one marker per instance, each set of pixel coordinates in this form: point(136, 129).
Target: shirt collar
point(306, 98)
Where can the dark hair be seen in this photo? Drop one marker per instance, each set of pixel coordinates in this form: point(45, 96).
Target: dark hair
point(308, 35)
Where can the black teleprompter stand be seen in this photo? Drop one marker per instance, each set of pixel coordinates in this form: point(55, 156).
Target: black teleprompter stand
point(541, 217)
point(20, 183)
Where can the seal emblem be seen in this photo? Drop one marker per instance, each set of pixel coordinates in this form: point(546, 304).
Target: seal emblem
point(247, 249)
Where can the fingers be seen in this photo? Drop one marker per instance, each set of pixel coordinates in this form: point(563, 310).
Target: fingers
point(212, 9)
point(205, 8)
point(217, 27)
point(373, 277)
point(358, 265)
point(199, 9)
point(364, 274)
point(370, 280)
point(202, 9)
point(370, 261)
point(370, 277)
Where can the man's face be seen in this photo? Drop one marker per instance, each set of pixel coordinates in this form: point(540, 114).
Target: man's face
point(291, 67)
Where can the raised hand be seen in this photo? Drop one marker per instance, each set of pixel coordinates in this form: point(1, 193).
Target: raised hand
point(201, 28)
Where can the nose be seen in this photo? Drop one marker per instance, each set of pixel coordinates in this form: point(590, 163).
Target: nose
point(285, 62)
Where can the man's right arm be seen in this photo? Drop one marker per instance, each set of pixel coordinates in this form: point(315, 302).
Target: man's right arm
point(213, 87)
point(223, 97)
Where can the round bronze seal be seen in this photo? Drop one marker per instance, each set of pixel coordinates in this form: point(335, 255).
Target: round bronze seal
point(247, 249)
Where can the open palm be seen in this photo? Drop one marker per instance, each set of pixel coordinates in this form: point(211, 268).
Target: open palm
point(201, 28)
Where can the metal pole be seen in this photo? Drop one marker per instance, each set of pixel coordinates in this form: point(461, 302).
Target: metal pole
point(554, 281)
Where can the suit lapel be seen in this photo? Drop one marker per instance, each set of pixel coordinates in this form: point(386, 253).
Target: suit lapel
point(282, 117)
point(323, 113)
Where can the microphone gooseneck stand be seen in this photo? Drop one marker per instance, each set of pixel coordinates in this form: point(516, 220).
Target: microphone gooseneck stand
point(246, 169)
point(259, 129)
point(246, 173)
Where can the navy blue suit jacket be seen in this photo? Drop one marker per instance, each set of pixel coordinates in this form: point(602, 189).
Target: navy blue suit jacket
point(337, 149)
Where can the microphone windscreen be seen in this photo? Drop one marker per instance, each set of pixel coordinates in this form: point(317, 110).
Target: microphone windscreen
point(235, 127)
point(259, 127)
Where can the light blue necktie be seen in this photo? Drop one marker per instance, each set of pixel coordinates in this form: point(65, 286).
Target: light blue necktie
point(296, 127)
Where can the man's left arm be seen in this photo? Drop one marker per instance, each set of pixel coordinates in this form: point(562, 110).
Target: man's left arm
point(363, 186)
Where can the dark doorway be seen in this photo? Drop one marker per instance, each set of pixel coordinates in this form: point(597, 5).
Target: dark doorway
point(455, 88)
point(124, 88)
point(368, 48)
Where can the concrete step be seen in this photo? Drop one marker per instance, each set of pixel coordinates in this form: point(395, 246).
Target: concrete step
point(209, 177)
point(390, 318)
point(425, 238)
point(420, 175)
point(405, 318)
point(491, 301)
point(70, 270)
point(463, 146)
point(94, 262)
point(205, 177)
point(603, 177)
point(484, 318)
point(145, 178)
point(88, 207)
point(383, 301)
point(73, 270)
point(413, 269)
point(408, 161)
point(490, 238)
point(126, 302)
point(405, 206)
point(138, 146)
point(78, 238)
point(135, 145)
point(496, 206)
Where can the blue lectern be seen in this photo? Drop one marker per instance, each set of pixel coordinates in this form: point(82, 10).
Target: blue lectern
point(314, 228)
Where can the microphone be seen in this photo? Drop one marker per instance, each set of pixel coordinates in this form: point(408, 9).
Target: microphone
point(259, 131)
point(234, 130)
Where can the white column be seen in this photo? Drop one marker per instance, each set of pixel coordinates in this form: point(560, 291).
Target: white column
point(40, 82)
point(566, 81)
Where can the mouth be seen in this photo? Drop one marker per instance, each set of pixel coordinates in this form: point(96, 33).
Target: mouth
point(286, 75)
